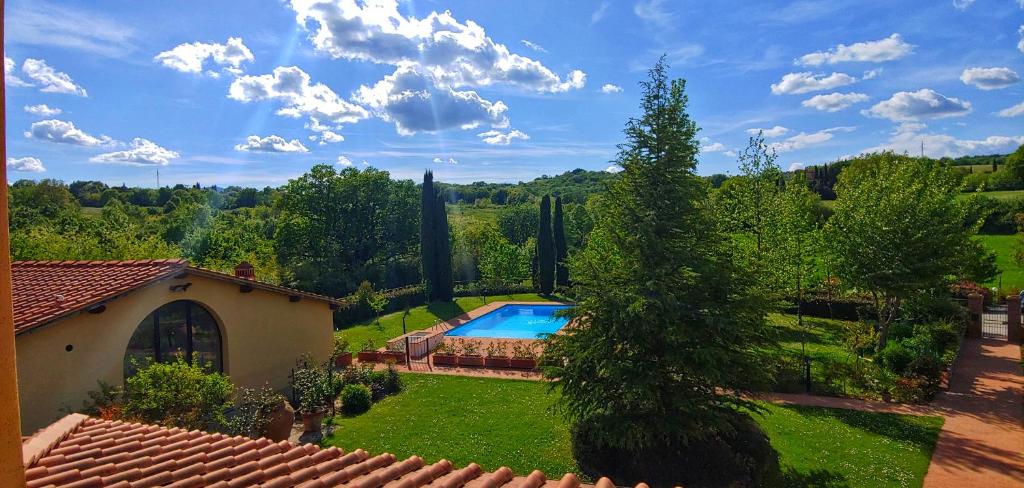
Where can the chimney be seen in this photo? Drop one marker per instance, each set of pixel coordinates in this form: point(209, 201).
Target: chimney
point(245, 270)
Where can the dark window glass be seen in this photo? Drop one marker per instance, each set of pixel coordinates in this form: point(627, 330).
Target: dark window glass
point(181, 328)
point(142, 348)
point(173, 326)
point(205, 339)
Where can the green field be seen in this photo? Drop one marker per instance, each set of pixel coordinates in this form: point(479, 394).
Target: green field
point(1005, 246)
point(497, 422)
point(421, 317)
point(998, 195)
point(467, 215)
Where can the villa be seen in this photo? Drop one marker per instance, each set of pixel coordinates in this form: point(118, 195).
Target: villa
point(79, 322)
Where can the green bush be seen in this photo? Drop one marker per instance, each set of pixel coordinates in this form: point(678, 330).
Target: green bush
point(315, 386)
point(384, 382)
point(355, 399)
point(178, 394)
point(896, 356)
point(251, 413)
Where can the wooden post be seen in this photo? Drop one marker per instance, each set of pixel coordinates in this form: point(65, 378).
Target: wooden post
point(12, 471)
point(975, 307)
point(1013, 319)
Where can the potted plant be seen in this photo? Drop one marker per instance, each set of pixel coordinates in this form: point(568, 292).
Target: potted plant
point(342, 356)
point(368, 353)
point(470, 354)
point(315, 391)
point(445, 355)
point(523, 356)
point(497, 355)
point(391, 357)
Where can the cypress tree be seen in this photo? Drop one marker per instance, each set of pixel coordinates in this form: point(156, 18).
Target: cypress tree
point(444, 281)
point(545, 249)
point(428, 242)
point(561, 251)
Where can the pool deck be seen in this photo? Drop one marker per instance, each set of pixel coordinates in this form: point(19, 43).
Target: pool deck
point(445, 326)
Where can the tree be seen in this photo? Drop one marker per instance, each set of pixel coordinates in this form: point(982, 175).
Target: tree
point(545, 249)
point(756, 189)
point(444, 282)
point(428, 243)
point(561, 251)
point(898, 229)
point(668, 330)
point(518, 223)
point(502, 264)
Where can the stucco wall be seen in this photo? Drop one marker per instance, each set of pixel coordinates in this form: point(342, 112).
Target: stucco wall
point(262, 335)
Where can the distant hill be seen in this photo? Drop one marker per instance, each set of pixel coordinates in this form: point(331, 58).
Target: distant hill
point(573, 186)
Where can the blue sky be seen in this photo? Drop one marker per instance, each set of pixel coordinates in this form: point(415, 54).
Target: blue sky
point(250, 93)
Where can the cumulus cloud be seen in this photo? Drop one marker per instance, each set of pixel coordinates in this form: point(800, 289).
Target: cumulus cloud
point(610, 88)
point(298, 96)
point(344, 161)
point(143, 152)
point(49, 79)
point(713, 147)
point(613, 169)
point(888, 49)
point(797, 83)
point(534, 46)
point(25, 165)
point(1014, 111)
point(924, 103)
point(803, 139)
point(10, 67)
point(871, 74)
point(908, 138)
point(411, 99)
point(776, 131)
point(330, 137)
point(444, 161)
point(455, 53)
point(989, 78)
point(834, 102)
point(497, 137)
point(795, 167)
point(271, 143)
point(64, 132)
point(42, 110)
point(190, 57)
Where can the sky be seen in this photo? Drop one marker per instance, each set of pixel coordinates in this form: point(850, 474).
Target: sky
point(255, 93)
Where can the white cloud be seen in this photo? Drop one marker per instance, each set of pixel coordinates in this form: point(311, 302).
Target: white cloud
point(1020, 43)
point(1014, 111)
point(10, 67)
point(888, 49)
point(271, 143)
point(610, 88)
point(496, 137)
point(730, 153)
point(989, 78)
point(330, 137)
point(613, 169)
point(713, 147)
point(653, 12)
point(143, 152)
point(871, 74)
point(454, 53)
point(26, 165)
point(599, 12)
point(42, 23)
point(190, 57)
point(64, 132)
point(908, 138)
point(962, 4)
point(924, 103)
point(412, 100)
point(776, 131)
point(797, 83)
point(344, 161)
point(803, 139)
point(42, 110)
point(50, 80)
point(443, 161)
point(834, 102)
point(534, 46)
point(795, 167)
point(292, 87)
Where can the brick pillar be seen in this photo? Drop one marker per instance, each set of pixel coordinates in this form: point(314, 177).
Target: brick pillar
point(1013, 319)
point(975, 307)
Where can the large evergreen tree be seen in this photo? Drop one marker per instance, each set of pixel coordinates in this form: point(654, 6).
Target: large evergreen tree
point(444, 285)
point(561, 250)
point(428, 262)
point(545, 249)
point(668, 332)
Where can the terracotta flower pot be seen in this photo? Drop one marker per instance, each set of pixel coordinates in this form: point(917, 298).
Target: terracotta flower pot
point(471, 360)
point(523, 363)
point(445, 360)
point(343, 360)
point(398, 357)
point(496, 362)
point(368, 356)
point(313, 421)
point(279, 422)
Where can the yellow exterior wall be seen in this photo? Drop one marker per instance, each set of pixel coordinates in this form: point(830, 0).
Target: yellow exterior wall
point(262, 335)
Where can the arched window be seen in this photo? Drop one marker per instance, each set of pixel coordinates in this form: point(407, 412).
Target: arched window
point(183, 328)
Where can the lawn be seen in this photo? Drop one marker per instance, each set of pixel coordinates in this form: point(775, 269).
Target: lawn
point(467, 215)
point(823, 337)
point(421, 317)
point(1004, 246)
point(998, 195)
point(497, 422)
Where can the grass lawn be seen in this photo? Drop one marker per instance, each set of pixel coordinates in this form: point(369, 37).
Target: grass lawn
point(421, 317)
point(463, 215)
point(999, 195)
point(823, 337)
point(1004, 247)
point(497, 422)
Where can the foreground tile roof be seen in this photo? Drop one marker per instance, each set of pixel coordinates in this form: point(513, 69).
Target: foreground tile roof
point(45, 291)
point(80, 451)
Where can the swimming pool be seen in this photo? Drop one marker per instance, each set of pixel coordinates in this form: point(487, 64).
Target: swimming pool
point(514, 321)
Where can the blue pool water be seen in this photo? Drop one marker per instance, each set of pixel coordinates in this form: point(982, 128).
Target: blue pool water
point(514, 322)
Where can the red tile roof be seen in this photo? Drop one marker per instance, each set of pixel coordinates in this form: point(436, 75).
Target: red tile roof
point(45, 291)
point(80, 451)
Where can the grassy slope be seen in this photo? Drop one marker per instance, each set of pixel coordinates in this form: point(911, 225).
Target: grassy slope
point(1000, 195)
point(465, 215)
point(1004, 247)
point(420, 318)
point(496, 422)
point(824, 337)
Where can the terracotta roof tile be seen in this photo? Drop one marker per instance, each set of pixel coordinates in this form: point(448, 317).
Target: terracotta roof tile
point(80, 451)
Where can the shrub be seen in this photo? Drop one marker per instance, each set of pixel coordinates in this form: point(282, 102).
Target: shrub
point(912, 389)
point(355, 399)
point(340, 345)
point(178, 394)
point(106, 403)
point(739, 456)
point(314, 386)
point(252, 411)
point(896, 356)
point(357, 375)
